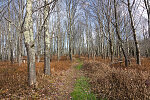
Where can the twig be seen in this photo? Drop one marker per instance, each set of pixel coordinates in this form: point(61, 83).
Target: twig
point(44, 5)
point(5, 6)
point(12, 23)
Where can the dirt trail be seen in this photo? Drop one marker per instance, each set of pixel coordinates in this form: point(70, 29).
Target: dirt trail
point(64, 83)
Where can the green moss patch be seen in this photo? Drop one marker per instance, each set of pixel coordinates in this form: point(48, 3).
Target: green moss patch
point(79, 66)
point(82, 90)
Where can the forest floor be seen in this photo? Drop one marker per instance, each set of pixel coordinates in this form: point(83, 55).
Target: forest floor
point(13, 80)
point(107, 80)
point(114, 81)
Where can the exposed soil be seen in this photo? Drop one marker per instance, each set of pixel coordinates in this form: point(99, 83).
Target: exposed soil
point(64, 83)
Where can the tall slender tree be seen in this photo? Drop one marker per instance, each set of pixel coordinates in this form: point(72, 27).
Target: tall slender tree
point(138, 60)
point(46, 41)
point(118, 35)
point(147, 5)
point(28, 34)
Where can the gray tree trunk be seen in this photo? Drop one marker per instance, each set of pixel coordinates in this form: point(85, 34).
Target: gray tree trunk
point(149, 21)
point(138, 61)
point(109, 31)
point(31, 64)
point(58, 33)
point(28, 34)
point(118, 35)
point(19, 44)
point(10, 55)
point(0, 41)
point(3, 46)
point(87, 35)
point(147, 5)
point(70, 47)
point(39, 23)
point(46, 42)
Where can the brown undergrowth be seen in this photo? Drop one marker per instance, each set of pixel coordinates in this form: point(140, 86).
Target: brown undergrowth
point(145, 63)
point(117, 83)
point(13, 80)
point(111, 82)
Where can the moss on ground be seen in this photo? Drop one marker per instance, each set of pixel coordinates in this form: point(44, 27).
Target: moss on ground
point(82, 90)
point(79, 66)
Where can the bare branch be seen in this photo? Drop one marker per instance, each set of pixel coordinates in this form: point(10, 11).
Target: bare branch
point(44, 6)
point(11, 23)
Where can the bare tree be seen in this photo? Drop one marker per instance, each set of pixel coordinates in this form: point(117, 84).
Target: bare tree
point(118, 35)
point(58, 32)
point(138, 61)
point(71, 14)
point(46, 41)
point(147, 5)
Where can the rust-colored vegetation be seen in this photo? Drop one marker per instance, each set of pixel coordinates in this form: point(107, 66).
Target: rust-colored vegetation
point(116, 82)
point(13, 79)
point(108, 79)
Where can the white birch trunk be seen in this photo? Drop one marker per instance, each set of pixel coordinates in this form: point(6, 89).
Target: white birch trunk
point(46, 42)
point(28, 34)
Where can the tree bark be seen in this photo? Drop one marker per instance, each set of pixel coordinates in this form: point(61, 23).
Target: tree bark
point(149, 22)
point(3, 46)
point(147, 5)
point(39, 23)
point(19, 45)
point(110, 42)
point(10, 55)
point(109, 32)
point(138, 61)
point(87, 35)
point(58, 33)
point(70, 47)
point(19, 51)
point(118, 35)
point(0, 41)
point(46, 43)
point(31, 64)
point(28, 34)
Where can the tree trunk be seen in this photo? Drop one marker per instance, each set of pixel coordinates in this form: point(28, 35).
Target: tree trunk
point(9, 34)
point(58, 48)
point(58, 33)
point(109, 30)
point(3, 46)
point(149, 23)
point(11, 56)
point(0, 41)
point(70, 47)
point(110, 43)
point(31, 64)
point(39, 23)
point(147, 5)
point(28, 34)
point(19, 50)
point(46, 43)
point(138, 61)
point(118, 35)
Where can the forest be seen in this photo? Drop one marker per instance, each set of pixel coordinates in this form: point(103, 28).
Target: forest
point(75, 49)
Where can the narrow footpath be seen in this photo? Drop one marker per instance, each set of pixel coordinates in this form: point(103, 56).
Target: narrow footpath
point(64, 82)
